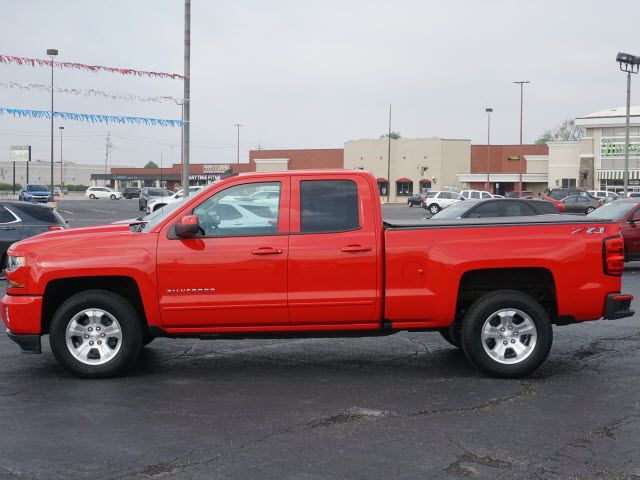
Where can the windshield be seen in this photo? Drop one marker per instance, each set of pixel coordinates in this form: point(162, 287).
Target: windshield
point(37, 188)
point(613, 211)
point(454, 211)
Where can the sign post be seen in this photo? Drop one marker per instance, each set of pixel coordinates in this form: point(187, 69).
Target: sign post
point(20, 153)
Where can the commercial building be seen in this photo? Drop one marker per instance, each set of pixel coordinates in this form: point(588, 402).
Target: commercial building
point(40, 172)
point(416, 165)
point(497, 168)
point(276, 160)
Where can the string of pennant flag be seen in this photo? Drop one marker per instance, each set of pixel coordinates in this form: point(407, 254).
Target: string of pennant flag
point(90, 92)
point(39, 62)
point(91, 118)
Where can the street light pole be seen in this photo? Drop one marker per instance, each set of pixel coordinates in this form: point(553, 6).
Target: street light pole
point(52, 52)
point(61, 128)
point(521, 148)
point(238, 125)
point(186, 98)
point(488, 110)
point(628, 64)
point(389, 159)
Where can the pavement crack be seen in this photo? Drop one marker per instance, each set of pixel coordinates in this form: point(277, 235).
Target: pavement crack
point(527, 389)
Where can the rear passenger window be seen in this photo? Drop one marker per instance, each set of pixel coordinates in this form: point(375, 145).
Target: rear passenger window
point(475, 194)
point(485, 210)
point(5, 216)
point(513, 209)
point(328, 206)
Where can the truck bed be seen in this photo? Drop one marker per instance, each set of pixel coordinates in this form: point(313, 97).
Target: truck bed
point(497, 221)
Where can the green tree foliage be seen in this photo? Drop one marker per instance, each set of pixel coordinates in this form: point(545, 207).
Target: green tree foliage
point(151, 164)
point(393, 135)
point(566, 131)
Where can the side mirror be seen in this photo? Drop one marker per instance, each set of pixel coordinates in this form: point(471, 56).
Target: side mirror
point(187, 227)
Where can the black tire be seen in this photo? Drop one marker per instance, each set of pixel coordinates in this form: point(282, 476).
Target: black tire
point(112, 197)
point(92, 196)
point(115, 305)
point(482, 310)
point(434, 208)
point(589, 210)
point(452, 335)
point(140, 206)
point(127, 197)
point(410, 203)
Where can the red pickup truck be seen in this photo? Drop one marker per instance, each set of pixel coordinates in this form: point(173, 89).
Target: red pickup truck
point(312, 257)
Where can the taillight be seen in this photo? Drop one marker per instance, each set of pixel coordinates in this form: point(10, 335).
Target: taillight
point(613, 252)
point(55, 227)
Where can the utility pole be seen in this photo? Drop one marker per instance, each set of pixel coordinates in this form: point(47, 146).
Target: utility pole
point(389, 159)
point(52, 52)
point(61, 128)
point(186, 101)
point(521, 83)
point(488, 110)
point(238, 125)
point(107, 147)
point(161, 170)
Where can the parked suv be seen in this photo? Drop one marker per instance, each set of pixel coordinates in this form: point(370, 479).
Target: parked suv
point(35, 193)
point(436, 201)
point(151, 192)
point(416, 199)
point(131, 192)
point(498, 207)
point(604, 194)
point(476, 194)
point(560, 193)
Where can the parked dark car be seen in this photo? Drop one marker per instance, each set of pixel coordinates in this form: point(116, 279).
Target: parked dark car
point(131, 192)
point(497, 207)
point(35, 193)
point(562, 193)
point(148, 192)
point(524, 193)
point(19, 220)
point(627, 212)
point(581, 204)
point(416, 200)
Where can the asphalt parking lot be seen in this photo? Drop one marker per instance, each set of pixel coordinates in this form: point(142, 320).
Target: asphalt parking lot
point(404, 406)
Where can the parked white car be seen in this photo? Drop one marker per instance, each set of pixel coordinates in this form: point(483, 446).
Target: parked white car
point(102, 192)
point(476, 194)
point(604, 194)
point(154, 203)
point(437, 200)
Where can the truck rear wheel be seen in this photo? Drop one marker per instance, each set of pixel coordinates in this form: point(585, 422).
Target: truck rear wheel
point(506, 334)
point(95, 334)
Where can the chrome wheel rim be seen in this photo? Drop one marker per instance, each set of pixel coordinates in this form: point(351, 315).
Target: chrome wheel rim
point(509, 336)
point(93, 336)
point(434, 209)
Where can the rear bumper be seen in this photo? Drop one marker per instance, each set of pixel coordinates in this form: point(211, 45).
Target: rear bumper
point(27, 343)
point(617, 306)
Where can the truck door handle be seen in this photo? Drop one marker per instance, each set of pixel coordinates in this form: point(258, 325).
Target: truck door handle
point(267, 251)
point(355, 248)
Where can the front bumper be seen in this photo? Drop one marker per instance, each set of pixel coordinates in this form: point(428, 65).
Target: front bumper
point(618, 305)
point(22, 316)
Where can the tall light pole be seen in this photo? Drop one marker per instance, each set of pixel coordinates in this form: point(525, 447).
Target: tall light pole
point(52, 52)
point(521, 149)
point(238, 125)
point(488, 110)
point(186, 102)
point(61, 128)
point(389, 159)
point(628, 64)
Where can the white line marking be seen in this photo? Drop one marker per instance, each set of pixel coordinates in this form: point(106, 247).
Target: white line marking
point(66, 211)
point(101, 211)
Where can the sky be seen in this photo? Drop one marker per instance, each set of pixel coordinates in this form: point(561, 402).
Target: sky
point(313, 74)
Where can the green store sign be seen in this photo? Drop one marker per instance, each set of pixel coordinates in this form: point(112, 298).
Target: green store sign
point(614, 147)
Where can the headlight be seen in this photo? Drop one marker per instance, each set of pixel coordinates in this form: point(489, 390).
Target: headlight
point(15, 262)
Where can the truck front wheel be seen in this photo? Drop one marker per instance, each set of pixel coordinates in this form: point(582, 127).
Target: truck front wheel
point(96, 334)
point(506, 334)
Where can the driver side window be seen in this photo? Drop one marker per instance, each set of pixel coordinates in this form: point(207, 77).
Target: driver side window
point(238, 211)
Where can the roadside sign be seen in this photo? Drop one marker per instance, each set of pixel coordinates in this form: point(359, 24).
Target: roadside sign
point(21, 153)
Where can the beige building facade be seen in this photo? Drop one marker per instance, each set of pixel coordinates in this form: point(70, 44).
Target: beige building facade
point(417, 164)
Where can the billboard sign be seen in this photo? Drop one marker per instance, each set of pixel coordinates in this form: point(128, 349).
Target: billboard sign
point(21, 153)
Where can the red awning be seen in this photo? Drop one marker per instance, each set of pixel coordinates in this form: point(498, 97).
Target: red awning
point(404, 180)
point(382, 180)
point(424, 180)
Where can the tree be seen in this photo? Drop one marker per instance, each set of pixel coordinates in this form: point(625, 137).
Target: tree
point(393, 135)
point(567, 131)
point(151, 165)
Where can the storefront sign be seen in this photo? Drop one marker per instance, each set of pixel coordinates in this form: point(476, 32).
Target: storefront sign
point(20, 153)
point(613, 147)
point(215, 168)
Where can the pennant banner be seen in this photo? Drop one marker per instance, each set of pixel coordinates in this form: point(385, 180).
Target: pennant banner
point(38, 62)
point(96, 93)
point(91, 118)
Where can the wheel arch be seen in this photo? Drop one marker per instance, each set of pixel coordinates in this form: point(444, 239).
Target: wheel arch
point(58, 291)
point(537, 282)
